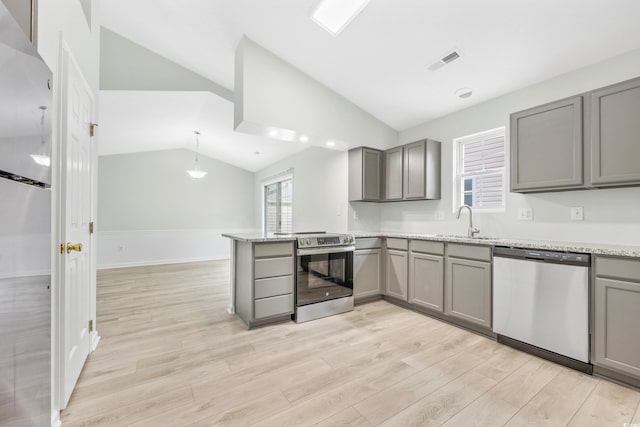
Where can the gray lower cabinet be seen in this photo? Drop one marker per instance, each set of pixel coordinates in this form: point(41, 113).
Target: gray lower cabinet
point(617, 315)
point(367, 268)
point(615, 130)
point(365, 167)
point(547, 147)
point(263, 281)
point(426, 280)
point(468, 284)
point(392, 172)
point(421, 173)
point(396, 268)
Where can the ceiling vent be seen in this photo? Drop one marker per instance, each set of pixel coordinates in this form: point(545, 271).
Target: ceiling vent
point(447, 59)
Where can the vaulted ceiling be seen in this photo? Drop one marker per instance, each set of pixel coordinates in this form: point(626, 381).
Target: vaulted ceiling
point(379, 62)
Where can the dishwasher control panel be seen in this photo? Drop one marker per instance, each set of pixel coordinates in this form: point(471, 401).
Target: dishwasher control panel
point(544, 256)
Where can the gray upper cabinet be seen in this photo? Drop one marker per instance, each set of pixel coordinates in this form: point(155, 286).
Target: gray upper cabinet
point(615, 135)
point(393, 173)
point(617, 315)
point(421, 175)
point(414, 169)
point(587, 141)
point(24, 12)
point(365, 165)
point(407, 172)
point(547, 147)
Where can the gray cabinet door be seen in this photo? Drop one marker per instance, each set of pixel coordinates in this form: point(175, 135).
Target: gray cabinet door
point(371, 174)
point(366, 273)
point(365, 165)
point(426, 281)
point(547, 147)
point(615, 135)
point(393, 174)
point(414, 170)
point(396, 273)
point(617, 325)
point(468, 291)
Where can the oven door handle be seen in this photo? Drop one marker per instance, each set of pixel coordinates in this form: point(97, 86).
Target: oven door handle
point(331, 250)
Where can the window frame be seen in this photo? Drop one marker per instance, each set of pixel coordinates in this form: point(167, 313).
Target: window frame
point(459, 177)
point(278, 178)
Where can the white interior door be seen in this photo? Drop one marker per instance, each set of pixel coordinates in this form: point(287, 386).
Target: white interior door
point(76, 174)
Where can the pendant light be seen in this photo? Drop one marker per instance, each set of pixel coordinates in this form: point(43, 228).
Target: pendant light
point(196, 173)
point(42, 158)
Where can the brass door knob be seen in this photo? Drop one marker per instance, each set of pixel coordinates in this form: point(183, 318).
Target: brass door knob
point(76, 247)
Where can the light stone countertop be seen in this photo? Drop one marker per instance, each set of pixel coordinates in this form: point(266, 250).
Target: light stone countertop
point(259, 237)
point(590, 248)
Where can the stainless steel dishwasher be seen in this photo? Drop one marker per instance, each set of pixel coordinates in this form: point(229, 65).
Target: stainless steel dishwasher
point(541, 303)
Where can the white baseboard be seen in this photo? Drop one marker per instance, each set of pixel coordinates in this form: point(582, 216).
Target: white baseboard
point(156, 262)
point(55, 419)
point(153, 247)
point(95, 339)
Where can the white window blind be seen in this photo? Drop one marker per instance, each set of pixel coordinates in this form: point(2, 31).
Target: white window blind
point(278, 206)
point(481, 164)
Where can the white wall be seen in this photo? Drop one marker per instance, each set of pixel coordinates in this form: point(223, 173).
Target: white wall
point(271, 93)
point(319, 189)
point(611, 215)
point(150, 211)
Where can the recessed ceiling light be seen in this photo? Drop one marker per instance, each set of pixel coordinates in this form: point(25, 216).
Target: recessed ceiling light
point(330, 143)
point(303, 138)
point(335, 15)
point(464, 92)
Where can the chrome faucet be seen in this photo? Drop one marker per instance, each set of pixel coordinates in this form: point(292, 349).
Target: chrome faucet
point(472, 231)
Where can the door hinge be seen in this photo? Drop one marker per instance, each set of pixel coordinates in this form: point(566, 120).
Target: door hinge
point(91, 227)
point(62, 248)
point(91, 325)
point(92, 127)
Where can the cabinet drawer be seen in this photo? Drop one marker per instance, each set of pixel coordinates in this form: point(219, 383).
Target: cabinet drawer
point(273, 306)
point(400, 244)
point(427, 247)
point(273, 286)
point(273, 249)
point(271, 267)
point(368, 243)
point(620, 268)
point(482, 253)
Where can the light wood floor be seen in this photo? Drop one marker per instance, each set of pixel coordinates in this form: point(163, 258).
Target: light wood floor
point(170, 355)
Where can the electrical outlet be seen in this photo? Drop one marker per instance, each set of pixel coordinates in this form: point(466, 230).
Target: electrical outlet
point(355, 214)
point(577, 213)
point(525, 214)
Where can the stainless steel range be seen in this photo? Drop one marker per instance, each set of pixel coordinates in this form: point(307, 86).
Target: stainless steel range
point(324, 275)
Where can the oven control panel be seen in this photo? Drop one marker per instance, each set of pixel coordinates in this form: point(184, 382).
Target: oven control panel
point(325, 240)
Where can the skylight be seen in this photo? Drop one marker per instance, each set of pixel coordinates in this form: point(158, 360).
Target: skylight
point(335, 15)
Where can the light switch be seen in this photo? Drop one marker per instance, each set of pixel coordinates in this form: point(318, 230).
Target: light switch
point(577, 213)
point(355, 214)
point(525, 214)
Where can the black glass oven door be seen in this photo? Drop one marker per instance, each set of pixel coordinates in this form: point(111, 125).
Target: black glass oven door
point(322, 277)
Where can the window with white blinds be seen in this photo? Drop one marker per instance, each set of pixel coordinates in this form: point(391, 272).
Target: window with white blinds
point(278, 206)
point(480, 175)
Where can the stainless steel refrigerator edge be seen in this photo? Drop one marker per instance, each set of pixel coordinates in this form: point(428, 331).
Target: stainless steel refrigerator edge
point(25, 230)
